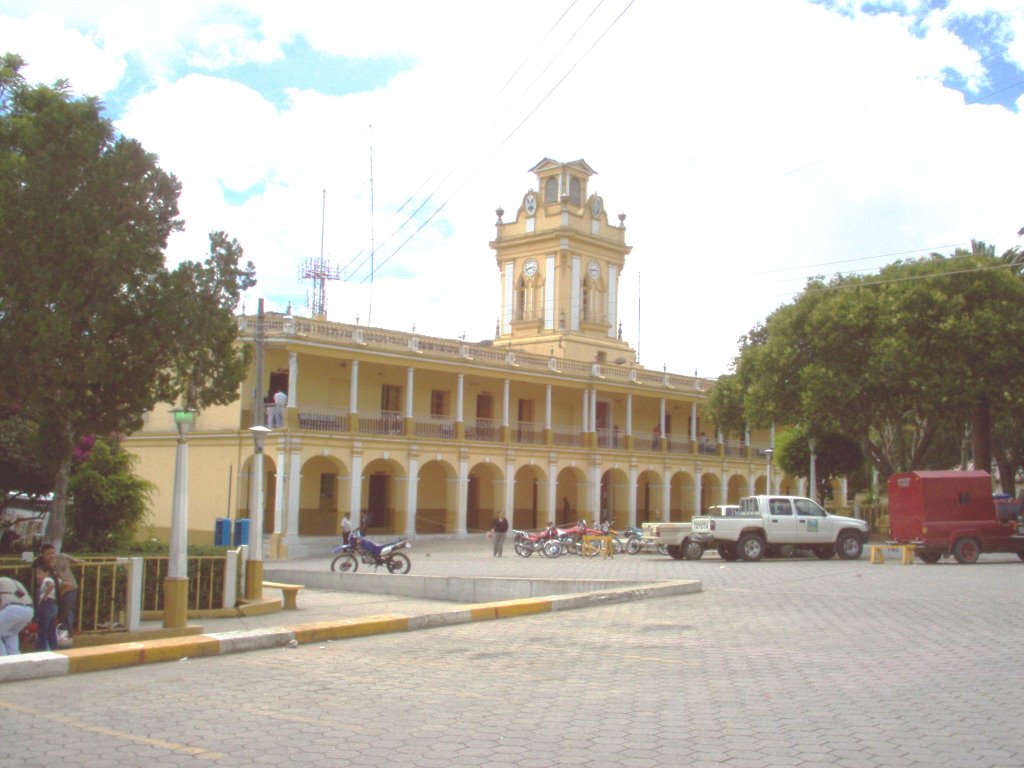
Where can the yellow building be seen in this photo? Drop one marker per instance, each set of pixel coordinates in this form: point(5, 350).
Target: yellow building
point(552, 420)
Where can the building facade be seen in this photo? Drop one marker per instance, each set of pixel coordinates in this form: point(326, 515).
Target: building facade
point(552, 420)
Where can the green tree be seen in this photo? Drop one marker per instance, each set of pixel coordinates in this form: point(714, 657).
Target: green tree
point(94, 329)
point(107, 501)
point(893, 361)
point(835, 456)
point(26, 466)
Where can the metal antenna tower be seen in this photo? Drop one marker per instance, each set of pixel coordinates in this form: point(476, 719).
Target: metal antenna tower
point(319, 271)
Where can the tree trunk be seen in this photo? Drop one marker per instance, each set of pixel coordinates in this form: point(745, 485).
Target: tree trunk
point(982, 435)
point(55, 522)
point(54, 533)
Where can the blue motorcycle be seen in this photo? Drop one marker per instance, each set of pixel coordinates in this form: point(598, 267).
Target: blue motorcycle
point(361, 549)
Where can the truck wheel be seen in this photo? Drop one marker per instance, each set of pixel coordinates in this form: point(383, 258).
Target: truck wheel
point(824, 552)
point(676, 553)
point(966, 551)
point(728, 552)
point(1021, 554)
point(849, 546)
point(751, 547)
point(930, 556)
point(694, 550)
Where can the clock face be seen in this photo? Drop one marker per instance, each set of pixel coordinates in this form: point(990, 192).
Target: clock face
point(530, 268)
point(594, 270)
point(531, 205)
point(598, 206)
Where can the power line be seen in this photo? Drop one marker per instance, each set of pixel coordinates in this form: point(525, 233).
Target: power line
point(509, 136)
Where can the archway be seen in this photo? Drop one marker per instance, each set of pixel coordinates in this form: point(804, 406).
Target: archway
point(737, 489)
point(483, 495)
point(571, 504)
point(529, 498)
point(436, 498)
point(383, 497)
point(681, 497)
point(320, 497)
point(710, 491)
point(615, 498)
point(649, 487)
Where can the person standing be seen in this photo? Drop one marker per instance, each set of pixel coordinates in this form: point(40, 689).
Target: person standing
point(499, 528)
point(67, 598)
point(47, 586)
point(346, 527)
point(15, 614)
point(280, 401)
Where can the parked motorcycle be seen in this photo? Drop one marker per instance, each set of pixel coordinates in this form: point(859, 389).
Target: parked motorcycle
point(359, 548)
point(545, 541)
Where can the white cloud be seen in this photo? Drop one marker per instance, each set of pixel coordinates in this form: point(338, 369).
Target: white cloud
point(748, 143)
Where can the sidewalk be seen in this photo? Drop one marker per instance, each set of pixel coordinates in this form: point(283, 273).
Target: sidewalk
point(456, 568)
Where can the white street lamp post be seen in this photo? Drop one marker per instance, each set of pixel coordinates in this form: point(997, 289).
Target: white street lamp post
point(176, 582)
point(813, 480)
point(768, 476)
point(254, 565)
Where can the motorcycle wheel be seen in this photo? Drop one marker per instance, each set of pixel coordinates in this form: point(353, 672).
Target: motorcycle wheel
point(523, 550)
point(633, 545)
point(398, 563)
point(345, 564)
point(552, 548)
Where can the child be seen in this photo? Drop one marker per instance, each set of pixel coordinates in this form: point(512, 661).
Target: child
point(46, 608)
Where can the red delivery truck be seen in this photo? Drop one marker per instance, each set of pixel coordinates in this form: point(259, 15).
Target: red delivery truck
point(953, 513)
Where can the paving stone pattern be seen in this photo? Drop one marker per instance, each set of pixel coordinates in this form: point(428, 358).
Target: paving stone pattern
point(779, 663)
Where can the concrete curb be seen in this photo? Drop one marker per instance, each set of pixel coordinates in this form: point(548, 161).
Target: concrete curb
point(56, 663)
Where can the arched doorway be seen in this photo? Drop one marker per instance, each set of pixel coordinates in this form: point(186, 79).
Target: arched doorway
point(649, 485)
point(529, 498)
point(483, 495)
point(383, 497)
point(681, 497)
point(710, 491)
point(615, 498)
point(436, 498)
point(737, 489)
point(320, 495)
point(571, 503)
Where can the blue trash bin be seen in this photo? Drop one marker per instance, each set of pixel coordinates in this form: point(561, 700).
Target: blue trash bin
point(241, 531)
point(222, 532)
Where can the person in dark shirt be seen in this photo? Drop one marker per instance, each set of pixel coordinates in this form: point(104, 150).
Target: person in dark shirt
point(499, 528)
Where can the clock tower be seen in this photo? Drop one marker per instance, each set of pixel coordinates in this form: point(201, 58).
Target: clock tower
point(560, 262)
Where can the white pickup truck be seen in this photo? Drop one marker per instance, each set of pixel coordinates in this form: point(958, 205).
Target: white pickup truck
point(767, 522)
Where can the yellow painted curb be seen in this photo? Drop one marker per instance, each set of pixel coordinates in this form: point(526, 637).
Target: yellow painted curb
point(102, 657)
point(174, 648)
point(318, 631)
point(509, 608)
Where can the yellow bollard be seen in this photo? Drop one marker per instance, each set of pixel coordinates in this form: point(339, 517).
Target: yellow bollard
point(877, 554)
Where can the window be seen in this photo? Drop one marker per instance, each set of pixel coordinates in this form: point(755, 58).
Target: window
point(390, 397)
point(327, 485)
point(551, 190)
point(965, 498)
point(808, 508)
point(437, 403)
point(779, 507)
point(575, 191)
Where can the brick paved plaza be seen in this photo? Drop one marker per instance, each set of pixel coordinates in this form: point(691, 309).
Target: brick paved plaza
point(787, 663)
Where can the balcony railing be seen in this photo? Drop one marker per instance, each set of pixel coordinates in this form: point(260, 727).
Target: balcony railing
point(322, 419)
point(488, 430)
point(481, 354)
point(435, 427)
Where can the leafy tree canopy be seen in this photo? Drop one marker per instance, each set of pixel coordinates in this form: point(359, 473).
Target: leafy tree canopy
point(889, 360)
point(94, 329)
point(835, 456)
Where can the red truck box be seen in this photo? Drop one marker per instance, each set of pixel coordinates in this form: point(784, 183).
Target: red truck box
point(945, 513)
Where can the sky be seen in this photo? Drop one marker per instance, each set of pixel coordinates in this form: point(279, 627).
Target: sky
point(752, 145)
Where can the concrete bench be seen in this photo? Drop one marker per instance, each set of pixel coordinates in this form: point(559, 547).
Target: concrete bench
point(289, 593)
point(877, 552)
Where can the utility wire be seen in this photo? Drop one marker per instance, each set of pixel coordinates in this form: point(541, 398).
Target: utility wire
point(508, 137)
